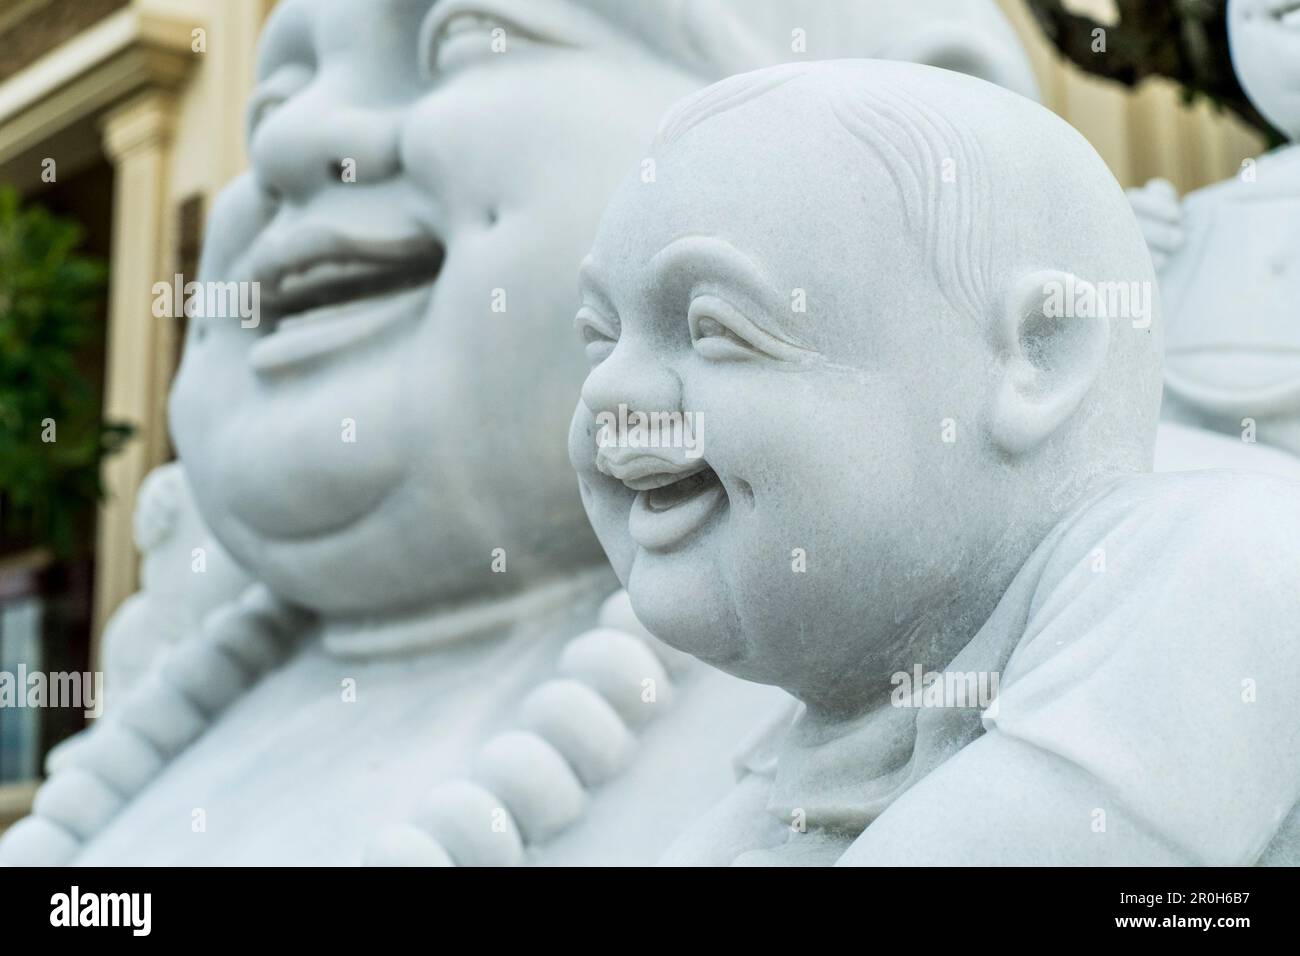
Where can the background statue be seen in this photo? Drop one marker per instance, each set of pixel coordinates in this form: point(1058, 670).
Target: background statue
point(185, 574)
point(1227, 260)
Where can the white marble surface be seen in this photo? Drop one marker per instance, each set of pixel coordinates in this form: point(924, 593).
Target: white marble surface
point(394, 423)
point(184, 572)
point(1229, 270)
point(326, 776)
point(931, 471)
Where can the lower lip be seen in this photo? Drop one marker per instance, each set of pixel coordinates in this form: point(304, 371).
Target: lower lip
point(663, 530)
point(332, 328)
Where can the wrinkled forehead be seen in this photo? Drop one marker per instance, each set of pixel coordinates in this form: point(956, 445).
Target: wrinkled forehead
point(793, 198)
point(778, 172)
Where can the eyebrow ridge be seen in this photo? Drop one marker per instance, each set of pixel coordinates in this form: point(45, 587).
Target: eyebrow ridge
point(713, 255)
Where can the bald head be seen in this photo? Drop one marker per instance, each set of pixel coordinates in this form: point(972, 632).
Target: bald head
point(1009, 210)
point(877, 284)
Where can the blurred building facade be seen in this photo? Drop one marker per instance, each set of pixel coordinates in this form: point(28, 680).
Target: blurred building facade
point(141, 105)
point(1143, 133)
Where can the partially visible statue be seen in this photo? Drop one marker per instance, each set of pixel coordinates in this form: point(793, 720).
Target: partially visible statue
point(1229, 257)
point(924, 503)
point(184, 572)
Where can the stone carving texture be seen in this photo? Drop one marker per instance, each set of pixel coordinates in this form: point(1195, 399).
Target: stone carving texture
point(924, 504)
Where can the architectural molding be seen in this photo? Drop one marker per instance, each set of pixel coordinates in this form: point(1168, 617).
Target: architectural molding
point(127, 53)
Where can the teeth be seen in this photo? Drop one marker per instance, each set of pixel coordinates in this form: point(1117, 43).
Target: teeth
point(466, 23)
point(640, 474)
point(332, 283)
point(669, 496)
point(651, 482)
point(320, 272)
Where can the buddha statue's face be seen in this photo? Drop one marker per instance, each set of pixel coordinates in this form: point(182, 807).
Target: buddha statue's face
point(802, 539)
point(426, 177)
point(420, 198)
point(1265, 39)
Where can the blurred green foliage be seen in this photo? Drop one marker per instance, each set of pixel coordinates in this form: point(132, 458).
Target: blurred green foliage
point(49, 307)
point(1183, 40)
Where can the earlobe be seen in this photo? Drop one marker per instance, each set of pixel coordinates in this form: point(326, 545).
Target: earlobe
point(1054, 337)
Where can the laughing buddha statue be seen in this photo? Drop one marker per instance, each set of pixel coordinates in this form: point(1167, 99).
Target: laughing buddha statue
point(435, 665)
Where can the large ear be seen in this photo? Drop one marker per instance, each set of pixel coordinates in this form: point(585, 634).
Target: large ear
point(1052, 357)
point(955, 46)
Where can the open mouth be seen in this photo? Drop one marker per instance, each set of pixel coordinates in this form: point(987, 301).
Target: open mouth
point(329, 303)
point(667, 514)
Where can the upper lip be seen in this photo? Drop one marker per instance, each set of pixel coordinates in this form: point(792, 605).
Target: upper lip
point(643, 470)
point(312, 264)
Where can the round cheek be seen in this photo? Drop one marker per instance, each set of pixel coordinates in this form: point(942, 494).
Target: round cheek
point(684, 598)
point(833, 489)
point(556, 126)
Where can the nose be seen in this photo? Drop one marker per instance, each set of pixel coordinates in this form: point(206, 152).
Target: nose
point(305, 147)
point(632, 375)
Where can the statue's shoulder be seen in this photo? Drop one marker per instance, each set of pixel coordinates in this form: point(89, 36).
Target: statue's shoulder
point(1159, 585)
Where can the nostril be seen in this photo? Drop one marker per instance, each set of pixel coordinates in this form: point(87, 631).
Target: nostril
point(746, 492)
point(492, 217)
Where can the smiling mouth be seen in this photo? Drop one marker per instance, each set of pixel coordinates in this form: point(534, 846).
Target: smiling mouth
point(330, 303)
point(665, 515)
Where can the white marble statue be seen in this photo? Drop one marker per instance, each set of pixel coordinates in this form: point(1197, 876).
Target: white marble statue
point(1229, 257)
point(432, 668)
point(184, 572)
point(923, 502)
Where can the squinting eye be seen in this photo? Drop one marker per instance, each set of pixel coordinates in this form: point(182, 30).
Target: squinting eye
point(711, 336)
point(598, 334)
point(272, 93)
point(257, 110)
point(716, 331)
point(720, 331)
point(449, 42)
